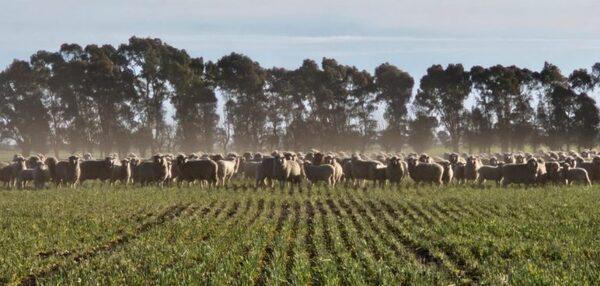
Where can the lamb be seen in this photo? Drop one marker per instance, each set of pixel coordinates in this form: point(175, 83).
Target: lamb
point(425, 172)
point(520, 173)
point(575, 175)
point(287, 169)
point(154, 171)
point(492, 173)
point(396, 170)
point(320, 173)
point(192, 170)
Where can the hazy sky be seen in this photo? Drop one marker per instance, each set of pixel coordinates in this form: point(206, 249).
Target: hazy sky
point(410, 34)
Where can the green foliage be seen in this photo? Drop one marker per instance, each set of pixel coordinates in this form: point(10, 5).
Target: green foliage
point(241, 235)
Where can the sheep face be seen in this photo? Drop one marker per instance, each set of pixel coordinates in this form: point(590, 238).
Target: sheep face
point(532, 165)
point(412, 161)
point(329, 159)
point(553, 168)
point(424, 158)
point(318, 158)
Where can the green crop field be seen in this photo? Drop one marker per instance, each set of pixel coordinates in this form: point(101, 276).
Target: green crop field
point(241, 235)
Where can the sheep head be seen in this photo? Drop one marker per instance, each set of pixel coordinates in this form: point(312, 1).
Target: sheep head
point(532, 165)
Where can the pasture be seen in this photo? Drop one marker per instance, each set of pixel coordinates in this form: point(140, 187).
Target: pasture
point(241, 235)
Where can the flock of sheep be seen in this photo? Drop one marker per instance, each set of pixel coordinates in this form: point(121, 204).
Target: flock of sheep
point(295, 167)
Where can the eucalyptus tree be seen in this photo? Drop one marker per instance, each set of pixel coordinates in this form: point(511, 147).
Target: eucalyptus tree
point(147, 58)
point(394, 89)
point(503, 93)
point(242, 82)
point(421, 132)
point(442, 92)
point(586, 118)
point(23, 116)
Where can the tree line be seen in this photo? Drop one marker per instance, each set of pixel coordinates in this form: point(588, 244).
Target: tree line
point(113, 99)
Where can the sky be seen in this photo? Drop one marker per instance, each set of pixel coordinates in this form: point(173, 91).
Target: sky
point(412, 35)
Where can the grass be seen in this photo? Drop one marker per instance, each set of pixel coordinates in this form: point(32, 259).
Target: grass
point(241, 235)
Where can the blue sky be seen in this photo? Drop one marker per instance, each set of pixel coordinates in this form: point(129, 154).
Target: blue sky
point(410, 34)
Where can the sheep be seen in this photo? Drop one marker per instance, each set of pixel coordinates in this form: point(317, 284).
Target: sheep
point(448, 173)
point(154, 171)
point(287, 169)
point(339, 170)
point(6, 171)
point(509, 159)
point(264, 172)
point(571, 161)
point(318, 158)
point(216, 157)
point(553, 174)
point(323, 173)
point(492, 173)
point(380, 175)
point(363, 169)
point(424, 158)
point(520, 173)
point(575, 175)
point(520, 159)
point(593, 167)
point(249, 169)
point(88, 157)
point(96, 169)
point(67, 172)
point(425, 172)
point(121, 172)
point(23, 174)
point(458, 170)
point(347, 169)
point(455, 159)
point(192, 170)
point(473, 164)
point(396, 170)
point(247, 156)
point(40, 175)
point(32, 162)
point(227, 168)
